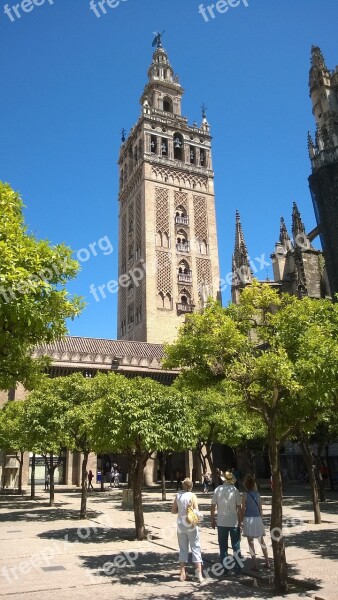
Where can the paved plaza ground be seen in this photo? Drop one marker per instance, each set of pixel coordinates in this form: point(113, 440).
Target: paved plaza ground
point(49, 553)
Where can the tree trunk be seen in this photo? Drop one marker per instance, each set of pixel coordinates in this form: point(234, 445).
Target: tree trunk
point(84, 490)
point(51, 480)
point(33, 478)
point(137, 483)
point(20, 472)
point(276, 526)
point(163, 468)
point(308, 459)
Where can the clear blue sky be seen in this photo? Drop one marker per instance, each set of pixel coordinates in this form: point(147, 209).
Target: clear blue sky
point(70, 81)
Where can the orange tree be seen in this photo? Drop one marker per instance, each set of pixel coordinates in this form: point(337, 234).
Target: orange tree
point(282, 355)
point(137, 417)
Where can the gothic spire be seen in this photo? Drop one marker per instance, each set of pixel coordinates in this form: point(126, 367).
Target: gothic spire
point(318, 68)
point(241, 262)
point(317, 58)
point(298, 229)
point(284, 237)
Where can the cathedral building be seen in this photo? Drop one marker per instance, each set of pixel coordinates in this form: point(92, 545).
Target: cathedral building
point(298, 268)
point(323, 151)
point(167, 223)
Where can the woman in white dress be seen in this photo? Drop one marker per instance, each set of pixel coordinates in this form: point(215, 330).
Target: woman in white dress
point(253, 526)
point(187, 534)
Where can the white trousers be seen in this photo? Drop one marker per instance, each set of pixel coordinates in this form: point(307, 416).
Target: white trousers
point(189, 536)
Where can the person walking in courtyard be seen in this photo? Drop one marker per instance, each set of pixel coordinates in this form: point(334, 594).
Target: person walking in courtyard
point(227, 502)
point(253, 526)
point(117, 477)
point(90, 477)
point(206, 481)
point(187, 534)
point(47, 480)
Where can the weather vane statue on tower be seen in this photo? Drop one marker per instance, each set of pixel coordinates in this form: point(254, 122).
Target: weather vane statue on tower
point(158, 39)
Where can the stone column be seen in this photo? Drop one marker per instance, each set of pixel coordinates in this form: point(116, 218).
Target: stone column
point(25, 470)
point(150, 472)
point(68, 468)
point(188, 463)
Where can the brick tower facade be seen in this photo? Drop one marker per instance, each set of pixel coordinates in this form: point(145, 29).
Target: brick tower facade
point(324, 160)
point(167, 224)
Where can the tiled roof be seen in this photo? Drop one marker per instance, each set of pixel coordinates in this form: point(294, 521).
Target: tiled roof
point(116, 348)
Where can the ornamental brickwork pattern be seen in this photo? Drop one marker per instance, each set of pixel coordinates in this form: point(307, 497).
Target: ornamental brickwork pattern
point(164, 273)
point(181, 199)
point(203, 271)
point(162, 210)
point(200, 218)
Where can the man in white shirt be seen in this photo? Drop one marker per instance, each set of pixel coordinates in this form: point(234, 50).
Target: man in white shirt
point(227, 500)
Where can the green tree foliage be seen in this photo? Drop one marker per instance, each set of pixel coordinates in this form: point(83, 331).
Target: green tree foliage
point(33, 300)
point(281, 353)
point(14, 433)
point(220, 419)
point(60, 415)
point(45, 415)
point(137, 417)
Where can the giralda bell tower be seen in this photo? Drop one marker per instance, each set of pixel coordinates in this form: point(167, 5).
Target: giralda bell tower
point(167, 224)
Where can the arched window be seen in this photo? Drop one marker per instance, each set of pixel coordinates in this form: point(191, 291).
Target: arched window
point(181, 238)
point(178, 146)
point(181, 217)
point(202, 157)
point(160, 300)
point(164, 147)
point(165, 240)
point(153, 144)
point(184, 297)
point(159, 238)
point(183, 267)
point(167, 104)
point(203, 247)
point(167, 301)
point(184, 273)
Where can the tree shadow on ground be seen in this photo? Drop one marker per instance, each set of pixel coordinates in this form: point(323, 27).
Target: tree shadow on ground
point(330, 506)
point(90, 534)
point(38, 515)
point(323, 543)
point(134, 569)
point(23, 504)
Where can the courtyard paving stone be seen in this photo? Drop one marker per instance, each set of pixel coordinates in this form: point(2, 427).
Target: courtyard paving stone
point(51, 553)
